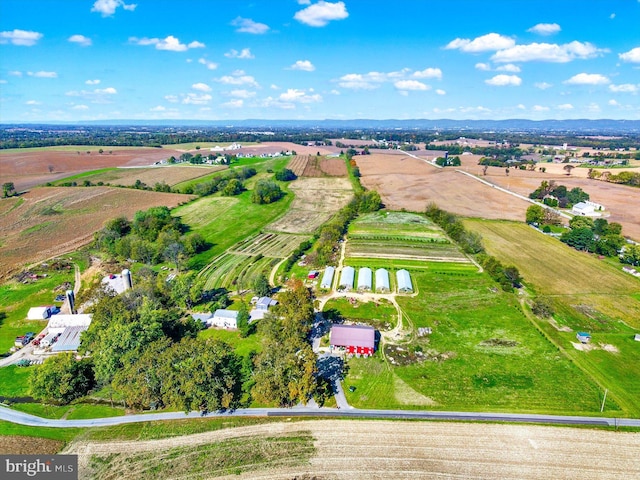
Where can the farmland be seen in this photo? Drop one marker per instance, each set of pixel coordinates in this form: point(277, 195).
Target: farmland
point(400, 236)
point(126, 177)
point(46, 222)
point(315, 166)
point(588, 294)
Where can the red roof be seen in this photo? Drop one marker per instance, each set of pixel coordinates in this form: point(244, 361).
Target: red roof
point(353, 336)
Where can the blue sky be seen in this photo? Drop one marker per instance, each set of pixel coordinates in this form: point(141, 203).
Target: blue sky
point(75, 60)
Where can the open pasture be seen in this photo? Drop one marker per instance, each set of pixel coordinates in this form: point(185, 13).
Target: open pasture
point(29, 167)
point(410, 183)
point(47, 222)
point(316, 200)
point(127, 177)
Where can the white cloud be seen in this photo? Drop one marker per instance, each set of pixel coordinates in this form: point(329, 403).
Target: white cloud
point(428, 73)
point(159, 108)
point(99, 95)
point(410, 85)
point(485, 43)
point(15, 73)
point(3, 81)
point(42, 74)
point(613, 103)
point(171, 98)
point(238, 78)
point(108, 7)
point(371, 80)
point(202, 87)
point(105, 91)
point(80, 107)
point(295, 95)
point(304, 65)
point(547, 52)
point(441, 92)
point(237, 103)
point(632, 55)
point(540, 108)
point(274, 87)
point(321, 13)
point(625, 88)
point(545, 28)
point(80, 40)
point(593, 108)
point(521, 106)
point(334, 92)
point(196, 99)
point(32, 102)
point(565, 106)
point(208, 64)
point(304, 2)
point(509, 67)
point(92, 82)
point(244, 54)
point(241, 93)
point(612, 16)
point(504, 80)
point(271, 102)
point(246, 25)
point(543, 85)
point(588, 79)
point(23, 38)
point(169, 43)
point(485, 67)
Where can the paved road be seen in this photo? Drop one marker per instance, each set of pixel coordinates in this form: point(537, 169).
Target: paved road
point(21, 418)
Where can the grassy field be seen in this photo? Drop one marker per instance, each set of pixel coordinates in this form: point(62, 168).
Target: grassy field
point(233, 456)
point(242, 346)
point(172, 175)
point(380, 314)
point(587, 294)
point(483, 354)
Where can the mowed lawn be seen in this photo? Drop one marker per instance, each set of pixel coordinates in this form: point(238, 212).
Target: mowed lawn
point(588, 294)
point(483, 355)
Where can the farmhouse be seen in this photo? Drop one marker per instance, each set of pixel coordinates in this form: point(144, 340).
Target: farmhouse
point(382, 281)
point(346, 278)
point(404, 281)
point(39, 313)
point(364, 279)
point(583, 337)
point(224, 319)
point(327, 278)
point(355, 339)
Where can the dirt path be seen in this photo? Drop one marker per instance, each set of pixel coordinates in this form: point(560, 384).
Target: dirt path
point(409, 450)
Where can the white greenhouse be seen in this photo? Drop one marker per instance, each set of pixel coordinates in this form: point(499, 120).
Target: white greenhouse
point(382, 281)
point(364, 278)
point(404, 281)
point(346, 278)
point(327, 278)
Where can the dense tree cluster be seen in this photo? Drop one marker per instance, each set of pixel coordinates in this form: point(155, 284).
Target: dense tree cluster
point(62, 378)
point(449, 161)
point(507, 276)
point(266, 191)
point(555, 195)
point(597, 236)
point(285, 175)
point(623, 178)
point(470, 242)
point(220, 182)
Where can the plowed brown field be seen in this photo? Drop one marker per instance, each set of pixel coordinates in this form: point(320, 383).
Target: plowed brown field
point(348, 449)
point(46, 222)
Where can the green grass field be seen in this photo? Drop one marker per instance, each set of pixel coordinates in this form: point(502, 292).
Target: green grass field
point(380, 314)
point(242, 346)
point(587, 294)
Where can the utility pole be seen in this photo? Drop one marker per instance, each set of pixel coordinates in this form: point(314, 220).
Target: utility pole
point(604, 399)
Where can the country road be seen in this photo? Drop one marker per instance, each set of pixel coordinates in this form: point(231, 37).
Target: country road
point(21, 418)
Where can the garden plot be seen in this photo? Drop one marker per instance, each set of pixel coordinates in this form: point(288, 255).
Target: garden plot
point(272, 245)
point(233, 271)
point(316, 200)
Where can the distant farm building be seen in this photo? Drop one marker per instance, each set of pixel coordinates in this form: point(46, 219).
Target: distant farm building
point(637, 337)
point(404, 281)
point(118, 283)
point(364, 278)
point(224, 319)
point(40, 313)
point(327, 278)
point(313, 274)
point(262, 306)
point(382, 281)
point(346, 278)
point(355, 339)
point(587, 209)
point(583, 337)
point(203, 317)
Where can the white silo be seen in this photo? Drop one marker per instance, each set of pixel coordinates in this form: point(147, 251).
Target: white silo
point(126, 278)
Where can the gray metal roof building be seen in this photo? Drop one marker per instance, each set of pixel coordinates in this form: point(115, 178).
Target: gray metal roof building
point(364, 278)
point(327, 278)
point(69, 340)
point(404, 281)
point(382, 281)
point(346, 277)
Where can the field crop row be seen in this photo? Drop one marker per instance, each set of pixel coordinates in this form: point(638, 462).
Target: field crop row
point(273, 245)
point(235, 271)
point(399, 248)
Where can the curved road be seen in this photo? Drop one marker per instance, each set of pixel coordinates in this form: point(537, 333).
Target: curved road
point(21, 418)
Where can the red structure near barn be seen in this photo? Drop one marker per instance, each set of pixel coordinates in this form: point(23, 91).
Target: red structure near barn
point(355, 339)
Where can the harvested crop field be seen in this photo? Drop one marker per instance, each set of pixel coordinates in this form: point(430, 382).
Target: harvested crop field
point(313, 166)
point(47, 222)
point(18, 445)
point(27, 168)
point(171, 175)
point(316, 200)
point(409, 183)
point(617, 199)
point(385, 449)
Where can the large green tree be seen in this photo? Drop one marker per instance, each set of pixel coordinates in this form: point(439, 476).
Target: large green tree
point(62, 378)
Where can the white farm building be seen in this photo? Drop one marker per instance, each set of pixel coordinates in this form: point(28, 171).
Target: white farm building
point(327, 278)
point(39, 313)
point(587, 209)
point(364, 278)
point(404, 281)
point(382, 281)
point(224, 319)
point(346, 278)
